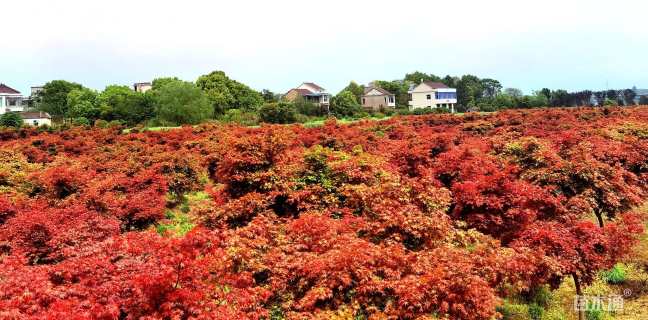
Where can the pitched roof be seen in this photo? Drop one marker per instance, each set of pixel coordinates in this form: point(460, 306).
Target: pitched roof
point(379, 89)
point(34, 115)
point(314, 86)
point(302, 92)
point(7, 90)
point(435, 85)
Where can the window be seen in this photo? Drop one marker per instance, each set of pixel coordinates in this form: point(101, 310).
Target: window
point(429, 96)
point(409, 95)
point(446, 95)
point(36, 123)
point(385, 99)
point(391, 99)
point(364, 101)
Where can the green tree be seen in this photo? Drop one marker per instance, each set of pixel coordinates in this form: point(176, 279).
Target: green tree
point(225, 93)
point(559, 98)
point(344, 104)
point(469, 90)
point(179, 102)
point(269, 96)
point(356, 89)
point(450, 81)
point(82, 103)
point(628, 97)
point(278, 112)
point(159, 82)
point(643, 100)
point(417, 77)
point(53, 98)
point(122, 103)
point(11, 119)
point(492, 87)
point(545, 92)
point(514, 92)
point(398, 88)
point(307, 108)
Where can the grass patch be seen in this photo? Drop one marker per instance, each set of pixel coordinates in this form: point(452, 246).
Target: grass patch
point(178, 224)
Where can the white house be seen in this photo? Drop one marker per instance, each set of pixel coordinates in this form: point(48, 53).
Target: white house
point(36, 119)
point(309, 92)
point(430, 94)
point(10, 100)
point(142, 86)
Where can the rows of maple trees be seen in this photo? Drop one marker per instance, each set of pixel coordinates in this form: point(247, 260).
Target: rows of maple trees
point(413, 217)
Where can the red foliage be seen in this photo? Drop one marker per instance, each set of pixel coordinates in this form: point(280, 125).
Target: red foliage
point(401, 218)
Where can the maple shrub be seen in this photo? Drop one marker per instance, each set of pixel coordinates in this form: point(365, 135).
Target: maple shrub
point(413, 217)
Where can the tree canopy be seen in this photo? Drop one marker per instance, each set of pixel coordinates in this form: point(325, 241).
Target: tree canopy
point(53, 98)
point(180, 102)
point(225, 93)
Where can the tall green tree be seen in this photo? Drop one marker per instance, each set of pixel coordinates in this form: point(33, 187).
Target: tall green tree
point(345, 104)
point(83, 103)
point(225, 93)
point(514, 92)
point(398, 88)
point(53, 98)
point(159, 82)
point(469, 90)
point(417, 77)
point(492, 87)
point(356, 89)
point(179, 102)
point(269, 96)
point(122, 103)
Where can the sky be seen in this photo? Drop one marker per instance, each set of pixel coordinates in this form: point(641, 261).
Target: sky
point(276, 45)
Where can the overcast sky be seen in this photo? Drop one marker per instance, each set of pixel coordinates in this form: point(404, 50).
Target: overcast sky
point(279, 44)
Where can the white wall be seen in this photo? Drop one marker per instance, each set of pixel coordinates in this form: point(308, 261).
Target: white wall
point(38, 122)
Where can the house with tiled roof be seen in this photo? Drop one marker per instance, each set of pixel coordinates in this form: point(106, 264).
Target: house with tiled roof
point(429, 94)
point(10, 100)
point(310, 92)
point(36, 118)
point(377, 99)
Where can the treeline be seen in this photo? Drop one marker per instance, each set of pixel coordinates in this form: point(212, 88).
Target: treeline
point(215, 96)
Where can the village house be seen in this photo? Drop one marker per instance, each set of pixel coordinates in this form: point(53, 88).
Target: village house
point(310, 92)
point(36, 119)
point(10, 100)
point(142, 86)
point(430, 94)
point(377, 99)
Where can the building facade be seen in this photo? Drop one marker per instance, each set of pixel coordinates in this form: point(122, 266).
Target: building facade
point(11, 100)
point(36, 119)
point(430, 94)
point(377, 99)
point(310, 92)
point(142, 86)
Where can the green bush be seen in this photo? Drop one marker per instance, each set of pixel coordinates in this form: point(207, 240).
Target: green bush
point(278, 112)
point(510, 311)
point(542, 296)
point(594, 314)
point(81, 121)
point(101, 123)
point(616, 275)
point(535, 311)
point(11, 119)
point(241, 117)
